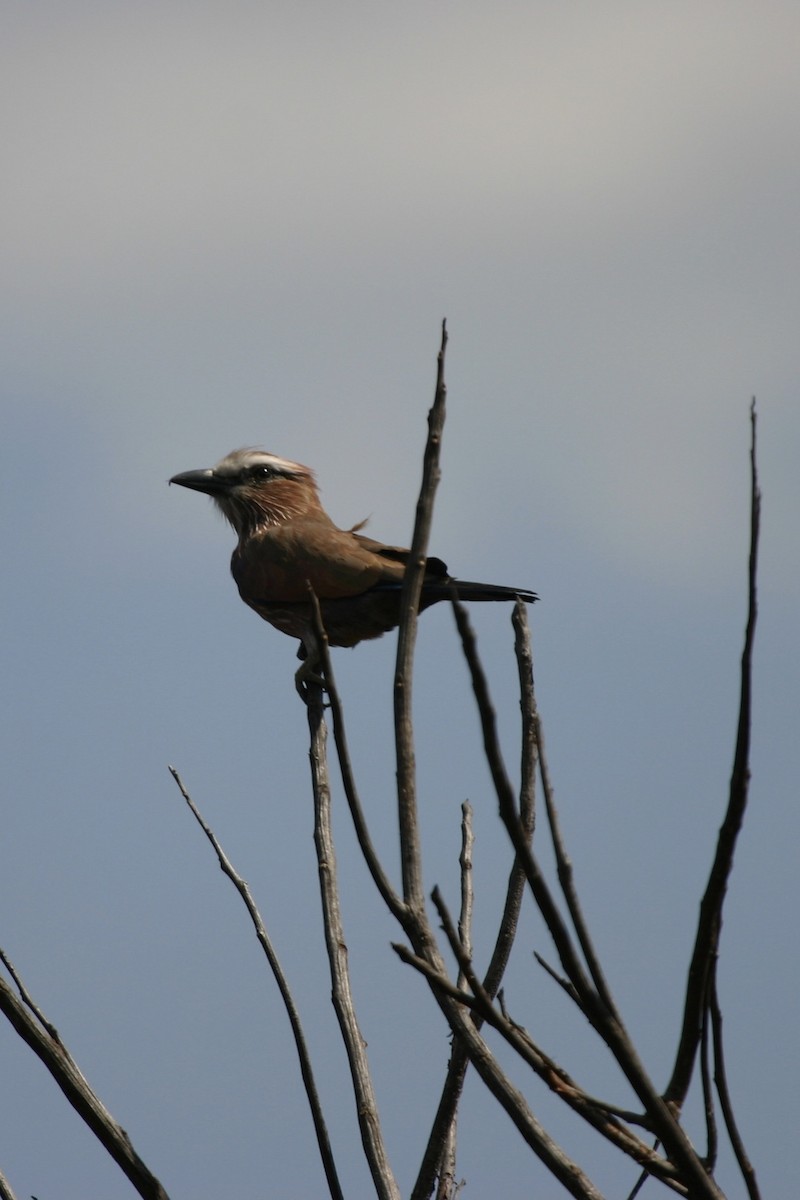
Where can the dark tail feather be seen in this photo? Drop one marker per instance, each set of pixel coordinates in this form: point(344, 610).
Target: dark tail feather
point(462, 589)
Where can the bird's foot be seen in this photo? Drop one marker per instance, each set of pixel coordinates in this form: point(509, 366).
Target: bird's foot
point(307, 675)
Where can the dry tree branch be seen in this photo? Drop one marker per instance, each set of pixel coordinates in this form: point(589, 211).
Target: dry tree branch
point(459, 1058)
point(712, 1140)
point(531, 739)
point(563, 861)
point(380, 878)
point(515, 890)
point(410, 910)
point(710, 920)
point(434, 1157)
point(721, 1080)
point(467, 891)
point(683, 1171)
point(6, 1191)
point(45, 1042)
point(306, 1070)
point(394, 903)
point(410, 851)
point(355, 1046)
point(604, 1019)
point(510, 817)
point(412, 916)
point(27, 999)
point(605, 1118)
point(446, 1187)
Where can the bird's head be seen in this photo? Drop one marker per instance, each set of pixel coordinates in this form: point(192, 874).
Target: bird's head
point(254, 489)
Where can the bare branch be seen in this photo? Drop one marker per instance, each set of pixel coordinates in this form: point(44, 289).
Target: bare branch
point(721, 1080)
point(560, 980)
point(467, 895)
point(566, 877)
point(379, 876)
point(306, 1070)
point(427, 955)
point(355, 1046)
point(605, 1021)
point(602, 1117)
point(710, 920)
point(6, 1191)
point(510, 815)
point(531, 738)
point(447, 1167)
point(708, 1093)
point(640, 1182)
point(515, 890)
point(410, 852)
point(594, 1111)
point(459, 1059)
point(26, 1019)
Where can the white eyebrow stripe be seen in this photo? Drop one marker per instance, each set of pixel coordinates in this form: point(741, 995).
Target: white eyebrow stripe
point(239, 460)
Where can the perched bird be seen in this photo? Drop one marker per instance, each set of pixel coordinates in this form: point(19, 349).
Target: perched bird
point(287, 541)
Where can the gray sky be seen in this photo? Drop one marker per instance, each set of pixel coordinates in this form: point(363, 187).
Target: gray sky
point(242, 224)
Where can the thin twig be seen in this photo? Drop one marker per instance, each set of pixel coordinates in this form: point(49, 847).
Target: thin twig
point(410, 850)
point(560, 980)
point(710, 921)
point(355, 1046)
point(721, 1080)
point(565, 870)
point(380, 878)
point(531, 733)
point(641, 1181)
point(510, 817)
point(708, 1092)
point(27, 999)
point(306, 1070)
point(447, 1165)
point(563, 862)
point(467, 894)
point(531, 719)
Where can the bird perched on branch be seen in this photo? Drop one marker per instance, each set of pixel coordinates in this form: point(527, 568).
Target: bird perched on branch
point(287, 542)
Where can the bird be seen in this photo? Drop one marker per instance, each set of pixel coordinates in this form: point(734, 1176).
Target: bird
point(287, 544)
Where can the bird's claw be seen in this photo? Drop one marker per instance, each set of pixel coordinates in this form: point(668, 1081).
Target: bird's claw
point(307, 674)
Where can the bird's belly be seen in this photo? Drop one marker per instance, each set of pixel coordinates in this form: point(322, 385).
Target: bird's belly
point(347, 621)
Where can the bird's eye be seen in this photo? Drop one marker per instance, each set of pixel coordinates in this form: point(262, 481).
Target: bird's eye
point(261, 472)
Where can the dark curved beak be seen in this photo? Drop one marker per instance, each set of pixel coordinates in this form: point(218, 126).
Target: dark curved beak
point(201, 481)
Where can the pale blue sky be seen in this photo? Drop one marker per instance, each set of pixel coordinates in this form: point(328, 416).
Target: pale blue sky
point(242, 224)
